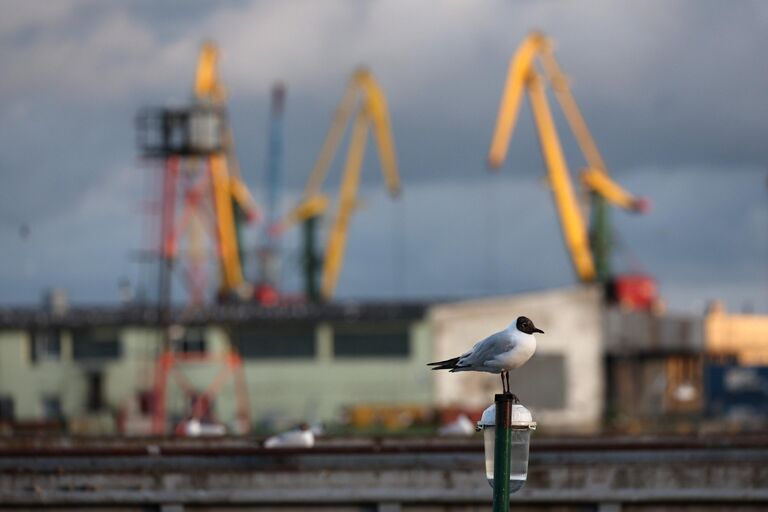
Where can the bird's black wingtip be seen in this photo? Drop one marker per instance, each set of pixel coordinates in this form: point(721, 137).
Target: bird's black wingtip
point(444, 365)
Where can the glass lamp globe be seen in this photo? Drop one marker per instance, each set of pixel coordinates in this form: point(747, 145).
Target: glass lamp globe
point(521, 425)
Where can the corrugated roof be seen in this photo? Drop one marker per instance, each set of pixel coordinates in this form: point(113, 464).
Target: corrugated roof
point(103, 316)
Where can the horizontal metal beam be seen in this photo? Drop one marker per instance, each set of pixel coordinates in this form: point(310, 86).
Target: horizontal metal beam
point(403, 475)
point(361, 496)
point(447, 461)
point(64, 446)
point(228, 314)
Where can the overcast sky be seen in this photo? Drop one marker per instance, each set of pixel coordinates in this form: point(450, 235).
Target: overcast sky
point(675, 94)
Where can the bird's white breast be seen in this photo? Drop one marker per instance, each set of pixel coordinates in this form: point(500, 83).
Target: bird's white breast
point(522, 352)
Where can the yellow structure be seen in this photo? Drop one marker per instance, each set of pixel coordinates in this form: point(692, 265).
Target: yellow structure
point(225, 181)
point(742, 335)
point(207, 84)
point(365, 99)
point(523, 76)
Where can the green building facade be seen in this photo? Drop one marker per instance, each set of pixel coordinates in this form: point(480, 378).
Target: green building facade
point(93, 371)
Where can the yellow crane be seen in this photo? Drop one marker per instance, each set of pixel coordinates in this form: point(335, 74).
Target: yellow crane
point(197, 145)
point(228, 190)
point(365, 100)
point(525, 75)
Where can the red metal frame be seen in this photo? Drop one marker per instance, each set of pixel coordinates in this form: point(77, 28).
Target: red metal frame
point(194, 273)
point(168, 215)
point(169, 365)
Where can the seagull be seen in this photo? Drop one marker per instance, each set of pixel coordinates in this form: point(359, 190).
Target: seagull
point(301, 437)
point(498, 353)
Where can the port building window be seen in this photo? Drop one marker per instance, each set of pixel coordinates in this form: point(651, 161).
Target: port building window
point(193, 342)
point(293, 342)
point(51, 405)
point(370, 340)
point(45, 345)
point(95, 391)
point(95, 345)
point(7, 409)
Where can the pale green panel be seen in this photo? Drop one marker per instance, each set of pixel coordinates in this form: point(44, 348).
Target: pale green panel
point(324, 343)
point(319, 389)
point(217, 340)
point(14, 358)
point(14, 372)
point(422, 350)
point(73, 391)
point(140, 343)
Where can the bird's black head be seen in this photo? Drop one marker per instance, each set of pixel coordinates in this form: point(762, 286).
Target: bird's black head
point(524, 324)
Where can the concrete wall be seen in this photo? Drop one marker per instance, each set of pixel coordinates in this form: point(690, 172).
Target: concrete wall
point(572, 321)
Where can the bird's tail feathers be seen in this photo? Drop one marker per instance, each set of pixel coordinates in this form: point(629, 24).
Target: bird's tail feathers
point(448, 364)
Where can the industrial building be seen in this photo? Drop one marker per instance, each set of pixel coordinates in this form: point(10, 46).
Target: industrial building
point(98, 368)
point(95, 370)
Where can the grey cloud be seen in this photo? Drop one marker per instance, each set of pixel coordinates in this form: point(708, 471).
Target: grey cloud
point(671, 91)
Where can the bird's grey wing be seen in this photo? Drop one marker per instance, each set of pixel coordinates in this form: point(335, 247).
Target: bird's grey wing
point(487, 349)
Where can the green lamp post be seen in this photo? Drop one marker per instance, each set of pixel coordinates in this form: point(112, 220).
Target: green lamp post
point(506, 427)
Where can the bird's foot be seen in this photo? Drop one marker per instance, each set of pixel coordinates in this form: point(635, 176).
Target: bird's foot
point(515, 400)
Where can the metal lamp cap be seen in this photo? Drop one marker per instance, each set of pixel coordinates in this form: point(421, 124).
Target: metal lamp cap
point(521, 417)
